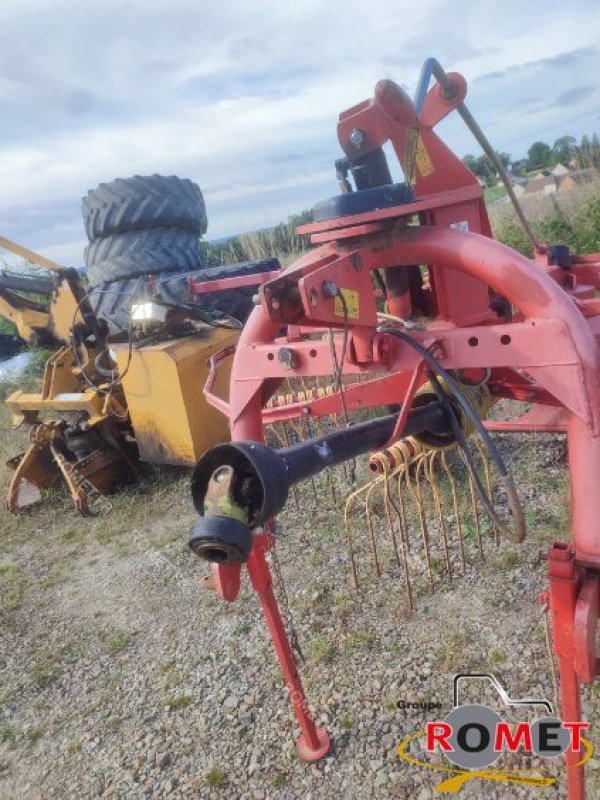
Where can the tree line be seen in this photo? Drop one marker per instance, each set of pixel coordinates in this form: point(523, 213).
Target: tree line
point(566, 150)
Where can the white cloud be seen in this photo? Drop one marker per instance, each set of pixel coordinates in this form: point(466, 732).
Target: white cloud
point(244, 97)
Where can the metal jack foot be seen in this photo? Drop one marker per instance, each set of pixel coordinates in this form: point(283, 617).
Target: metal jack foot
point(309, 753)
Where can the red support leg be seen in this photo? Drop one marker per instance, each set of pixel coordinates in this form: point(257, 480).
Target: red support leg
point(563, 589)
point(313, 742)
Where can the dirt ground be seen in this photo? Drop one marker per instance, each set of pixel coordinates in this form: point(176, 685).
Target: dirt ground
point(121, 677)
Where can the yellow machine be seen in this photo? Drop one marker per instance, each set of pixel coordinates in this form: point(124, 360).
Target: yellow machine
point(35, 322)
point(163, 384)
point(106, 403)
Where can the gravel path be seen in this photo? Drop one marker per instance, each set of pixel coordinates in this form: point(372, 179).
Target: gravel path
point(121, 677)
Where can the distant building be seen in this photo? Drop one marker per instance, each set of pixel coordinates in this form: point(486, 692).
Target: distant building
point(579, 177)
point(561, 180)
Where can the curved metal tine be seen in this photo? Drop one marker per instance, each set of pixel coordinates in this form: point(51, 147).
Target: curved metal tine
point(438, 505)
point(459, 528)
point(370, 527)
point(349, 538)
point(388, 504)
point(418, 494)
point(474, 509)
point(488, 482)
point(400, 472)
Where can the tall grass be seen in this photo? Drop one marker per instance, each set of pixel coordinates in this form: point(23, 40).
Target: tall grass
point(280, 242)
point(572, 218)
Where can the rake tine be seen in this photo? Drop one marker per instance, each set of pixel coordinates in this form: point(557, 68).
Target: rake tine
point(461, 539)
point(488, 482)
point(370, 528)
point(401, 512)
point(437, 501)
point(474, 509)
point(388, 504)
point(423, 520)
point(349, 530)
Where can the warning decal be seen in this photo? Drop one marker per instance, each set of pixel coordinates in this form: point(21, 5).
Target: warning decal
point(352, 304)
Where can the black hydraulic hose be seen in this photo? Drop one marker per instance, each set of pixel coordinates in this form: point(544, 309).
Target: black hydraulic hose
point(519, 534)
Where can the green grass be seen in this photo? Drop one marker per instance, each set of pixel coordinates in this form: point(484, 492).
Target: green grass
point(572, 218)
point(33, 735)
point(323, 650)
point(359, 640)
point(114, 642)
point(216, 777)
point(346, 722)
point(179, 701)
point(11, 587)
point(43, 670)
point(74, 747)
point(279, 780)
point(7, 734)
point(492, 193)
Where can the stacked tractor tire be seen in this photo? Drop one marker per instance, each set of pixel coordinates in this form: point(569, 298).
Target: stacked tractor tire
point(144, 241)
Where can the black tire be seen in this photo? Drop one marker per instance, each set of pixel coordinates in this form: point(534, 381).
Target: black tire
point(151, 201)
point(112, 300)
point(151, 251)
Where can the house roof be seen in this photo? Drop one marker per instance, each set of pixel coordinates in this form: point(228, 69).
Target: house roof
point(539, 184)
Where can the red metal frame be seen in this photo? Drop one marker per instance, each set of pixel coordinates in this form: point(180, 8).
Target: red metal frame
point(543, 348)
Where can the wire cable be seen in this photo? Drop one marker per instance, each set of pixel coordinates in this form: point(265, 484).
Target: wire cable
point(520, 529)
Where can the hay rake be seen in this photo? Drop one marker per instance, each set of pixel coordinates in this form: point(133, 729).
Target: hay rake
point(422, 317)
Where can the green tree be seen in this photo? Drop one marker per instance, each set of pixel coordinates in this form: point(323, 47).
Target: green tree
point(539, 155)
point(564, 150)
point(585, 153)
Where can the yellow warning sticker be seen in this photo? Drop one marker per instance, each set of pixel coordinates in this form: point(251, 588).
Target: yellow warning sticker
point(424, 163)
point(352, 304)
point(412, 138)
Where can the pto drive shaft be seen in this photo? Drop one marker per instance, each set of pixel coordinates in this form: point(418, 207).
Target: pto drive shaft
point(237, 487)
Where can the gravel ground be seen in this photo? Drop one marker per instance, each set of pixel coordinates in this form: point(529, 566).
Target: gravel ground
point(121, 677)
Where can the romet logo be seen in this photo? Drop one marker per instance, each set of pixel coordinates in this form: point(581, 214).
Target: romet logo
point(474, 736)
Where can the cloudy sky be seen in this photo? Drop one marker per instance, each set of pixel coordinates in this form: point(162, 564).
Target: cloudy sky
point(243, 97)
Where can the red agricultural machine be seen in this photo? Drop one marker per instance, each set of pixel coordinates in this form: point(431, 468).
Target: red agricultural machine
point(408, 304)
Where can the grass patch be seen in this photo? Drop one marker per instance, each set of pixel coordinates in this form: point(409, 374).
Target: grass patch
point(7, 734)
point(323, 650)
point(346, 722)
point(279, 780)
point(216, 777)
point(11, 587)
point(114, 642)
point(359, 640)
point(43, 670)
point(74, 747)
point(497, 656)
point(33, 735)
point(179, 701)
point(511, 560)
point(455, 652)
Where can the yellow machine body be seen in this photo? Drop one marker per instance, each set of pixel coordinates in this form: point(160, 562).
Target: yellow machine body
point(163, 385)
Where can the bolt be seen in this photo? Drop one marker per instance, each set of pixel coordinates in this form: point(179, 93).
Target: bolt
point(287, 357)
point(329, 289)
point(357, 137)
